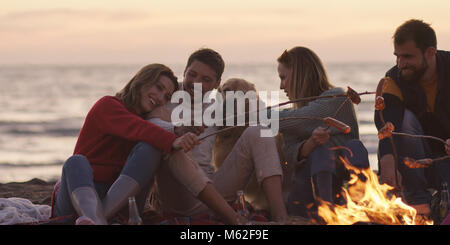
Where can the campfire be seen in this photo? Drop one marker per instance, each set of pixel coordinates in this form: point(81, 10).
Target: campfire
point(368, 201)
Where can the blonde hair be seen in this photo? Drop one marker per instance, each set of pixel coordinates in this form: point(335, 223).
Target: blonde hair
point(308, 77)
point(148, 75)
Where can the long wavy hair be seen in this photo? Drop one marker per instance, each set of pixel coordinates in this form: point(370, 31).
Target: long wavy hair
point(308, 77)
point(148, 75)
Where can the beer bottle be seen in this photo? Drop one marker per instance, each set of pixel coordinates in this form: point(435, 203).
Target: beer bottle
point(241, 204)
point(443, 205)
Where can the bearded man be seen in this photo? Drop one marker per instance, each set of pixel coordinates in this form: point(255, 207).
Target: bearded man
point(416, 93)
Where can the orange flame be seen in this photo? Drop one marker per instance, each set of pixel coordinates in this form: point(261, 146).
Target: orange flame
point(369, 201)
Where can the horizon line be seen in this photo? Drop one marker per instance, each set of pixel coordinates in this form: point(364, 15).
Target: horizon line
point(179, 63)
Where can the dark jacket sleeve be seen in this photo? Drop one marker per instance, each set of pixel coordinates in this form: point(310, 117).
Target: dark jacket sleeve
point(113, 118)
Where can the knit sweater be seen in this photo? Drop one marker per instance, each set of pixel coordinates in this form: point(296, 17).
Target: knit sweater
point(296, 131)
point(110, 132)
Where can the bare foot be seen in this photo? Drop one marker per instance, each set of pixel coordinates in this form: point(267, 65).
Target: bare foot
point(83, 220)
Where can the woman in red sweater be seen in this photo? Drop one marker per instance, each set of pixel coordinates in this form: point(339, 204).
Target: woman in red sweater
point(118, 152)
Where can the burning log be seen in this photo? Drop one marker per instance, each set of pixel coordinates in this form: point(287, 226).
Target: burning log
point(365, 223)
point(298, 220)
point(396, 219)
point(369, 202)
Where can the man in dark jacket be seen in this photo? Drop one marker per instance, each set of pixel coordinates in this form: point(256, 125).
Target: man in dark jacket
point(416, 93)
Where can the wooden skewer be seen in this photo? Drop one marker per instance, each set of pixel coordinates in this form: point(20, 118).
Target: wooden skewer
point(379, 106)
point(341, 106)
point(421, 136)
point(351, 95)
point(233, 127)
point(292, 118)
point(316, 97)
point(355, 100)
point(328, 120)
point(422, 163)
point(340, 147)
point(218, 132)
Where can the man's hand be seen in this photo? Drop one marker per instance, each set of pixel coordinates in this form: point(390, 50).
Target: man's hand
point(387, 172)
point(189, 129)
point(447, 146)
point(186, 142)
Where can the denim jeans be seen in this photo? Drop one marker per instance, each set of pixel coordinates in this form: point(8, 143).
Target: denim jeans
point(416, 181)
point(301, 199)
point(141, 165)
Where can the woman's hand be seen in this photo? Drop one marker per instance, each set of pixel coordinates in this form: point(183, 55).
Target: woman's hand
point(447, 146)
point(318, 137)
point(186, 142)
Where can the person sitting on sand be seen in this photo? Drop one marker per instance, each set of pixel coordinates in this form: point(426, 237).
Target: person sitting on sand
point(117, 151)
point(317, 175)
point(251, 153)
point(416, 92)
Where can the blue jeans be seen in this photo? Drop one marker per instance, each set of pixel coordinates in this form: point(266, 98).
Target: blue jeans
point(301, 199)
point(141, 165)
point(416, 181)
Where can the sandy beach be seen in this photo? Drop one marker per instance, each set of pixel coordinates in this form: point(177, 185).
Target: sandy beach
point(36, 190)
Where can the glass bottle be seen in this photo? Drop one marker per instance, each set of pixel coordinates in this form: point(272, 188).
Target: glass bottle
point(443, 205)
point(133, 212)
point(241, 204)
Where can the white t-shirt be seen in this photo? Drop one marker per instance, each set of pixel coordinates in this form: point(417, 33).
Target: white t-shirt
point(202, 153)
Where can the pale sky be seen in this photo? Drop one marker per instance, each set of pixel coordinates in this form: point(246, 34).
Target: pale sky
point(144, 31)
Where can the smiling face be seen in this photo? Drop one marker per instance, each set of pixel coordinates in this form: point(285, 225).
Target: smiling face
point(199, 72)
point(411, 61)
point(155, 95)
point(284, 73)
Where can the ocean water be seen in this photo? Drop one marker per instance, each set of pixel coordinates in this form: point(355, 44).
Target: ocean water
point(43, 107)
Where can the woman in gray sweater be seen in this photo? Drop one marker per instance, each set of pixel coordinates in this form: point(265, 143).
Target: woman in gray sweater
point(317, 173)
